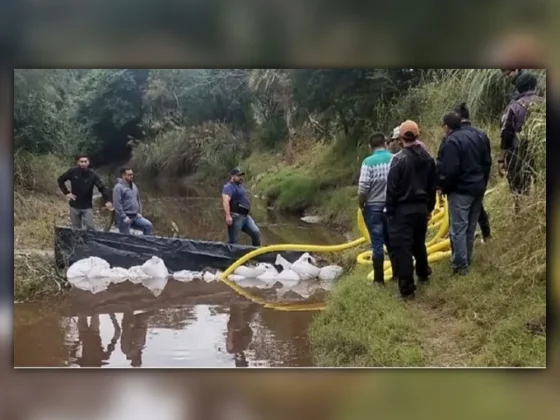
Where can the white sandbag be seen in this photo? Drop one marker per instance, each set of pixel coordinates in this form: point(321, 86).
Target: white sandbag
point(283, 262)
point(304, 268)
point(83, 268)
point(330, 272)
point(270, 275)
point(116, 274)
point(235, 278)
point(88, 274)
point(250, 272)
point(136, 274)
point(209, 277)
point(288, 277)
point(186, 275)
point(155, 284)
point(155, 268)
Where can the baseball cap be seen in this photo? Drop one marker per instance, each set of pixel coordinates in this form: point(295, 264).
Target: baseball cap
point(237, 172)
point(409, 126)
point(396, 134)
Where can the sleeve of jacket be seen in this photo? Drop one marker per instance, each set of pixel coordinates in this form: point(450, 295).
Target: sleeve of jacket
point(449, 165)
point(61, 181)
point(139, 202)
point(117, 201)
point(393, 182)
point(507, 135)
point(432, 185)
point(102, 188)
point(487, 164)
point(365, 181)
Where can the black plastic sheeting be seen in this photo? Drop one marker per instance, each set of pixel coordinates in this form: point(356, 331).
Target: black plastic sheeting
point(129, 250)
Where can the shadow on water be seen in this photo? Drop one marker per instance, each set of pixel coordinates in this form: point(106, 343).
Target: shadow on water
point(195, 324)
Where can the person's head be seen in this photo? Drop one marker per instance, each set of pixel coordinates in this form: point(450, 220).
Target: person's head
point(451, 122)
point(408, 132)
point(377, 141)
point(462, 110)
point(83, 161)
point(127, 174)
point(511, 73)
point(236, 175)
point(525, 82)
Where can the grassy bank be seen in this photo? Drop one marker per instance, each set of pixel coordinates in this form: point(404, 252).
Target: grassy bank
point(496, 316)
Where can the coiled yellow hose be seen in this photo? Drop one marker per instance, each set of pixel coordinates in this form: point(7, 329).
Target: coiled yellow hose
point(438, 248)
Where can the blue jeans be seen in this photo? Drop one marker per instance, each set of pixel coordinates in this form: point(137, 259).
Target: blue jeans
point(139, 223)
point(464, 211)
point(376, 223)
point(244, 224)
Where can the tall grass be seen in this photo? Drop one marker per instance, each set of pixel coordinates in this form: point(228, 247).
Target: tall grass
point(210, 149)
point(496, 316)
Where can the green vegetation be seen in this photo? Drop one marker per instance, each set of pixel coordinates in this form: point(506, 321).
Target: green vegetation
point(300, 135)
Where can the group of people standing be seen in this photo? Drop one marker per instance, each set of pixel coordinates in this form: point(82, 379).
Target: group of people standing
point(399, 182)
point(124, 200)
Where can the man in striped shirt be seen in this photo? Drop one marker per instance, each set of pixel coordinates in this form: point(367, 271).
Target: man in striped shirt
point(371, 195)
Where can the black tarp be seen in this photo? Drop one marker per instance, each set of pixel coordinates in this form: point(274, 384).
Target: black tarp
point(129, 250)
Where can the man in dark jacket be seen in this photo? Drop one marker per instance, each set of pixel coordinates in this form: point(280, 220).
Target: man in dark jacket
point(82, 180)
point(515, 157)
point(410, 200)
point(483, 220)
point(463, 170)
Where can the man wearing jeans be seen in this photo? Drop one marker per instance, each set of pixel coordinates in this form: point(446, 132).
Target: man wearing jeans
point(82, 180)
point(371, 196)
point(237, 209)
point(128, 208)
point(463, 169)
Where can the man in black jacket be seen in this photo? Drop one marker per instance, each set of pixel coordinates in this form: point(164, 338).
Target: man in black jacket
point(483, 220)
point(410, 200)
point(82, 180)
point(463, 170)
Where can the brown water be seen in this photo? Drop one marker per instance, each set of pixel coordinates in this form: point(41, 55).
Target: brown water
point(195, 324)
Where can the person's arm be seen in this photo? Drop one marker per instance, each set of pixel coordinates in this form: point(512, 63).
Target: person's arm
point(449, 165)
point(101, 188)
point(139, 201)
point(487, 163)
point(393, 182)
point(227, 193)
point(62, 180)
point(507, 135)
point(364, 184)
point(117, 201)
point(432, 186)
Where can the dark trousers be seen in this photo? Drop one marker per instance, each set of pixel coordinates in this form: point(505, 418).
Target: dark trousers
point(407, 235)
point(484, 223)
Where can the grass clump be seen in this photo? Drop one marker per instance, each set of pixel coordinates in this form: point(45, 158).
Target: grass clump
point(376, 330)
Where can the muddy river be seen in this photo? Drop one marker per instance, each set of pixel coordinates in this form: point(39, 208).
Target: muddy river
point(194, 324)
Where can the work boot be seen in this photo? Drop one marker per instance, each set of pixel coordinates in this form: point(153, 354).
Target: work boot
point(422, 279)
point(378, 274)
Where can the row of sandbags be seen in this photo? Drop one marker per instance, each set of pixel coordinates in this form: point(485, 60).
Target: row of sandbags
point(304, 268)
point(95, 274)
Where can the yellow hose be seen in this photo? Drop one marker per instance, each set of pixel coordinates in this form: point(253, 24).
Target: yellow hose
point(438, 249)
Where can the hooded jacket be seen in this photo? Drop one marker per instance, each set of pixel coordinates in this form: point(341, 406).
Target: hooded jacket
point(126, 199)
point(515, 113)
point(411, 182)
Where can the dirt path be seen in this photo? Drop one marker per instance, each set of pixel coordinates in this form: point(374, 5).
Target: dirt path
point(441, 337)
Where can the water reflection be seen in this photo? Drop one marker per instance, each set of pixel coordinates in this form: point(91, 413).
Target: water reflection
point(235, 334)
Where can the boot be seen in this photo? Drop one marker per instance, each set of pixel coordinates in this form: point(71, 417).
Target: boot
point(378, 275)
